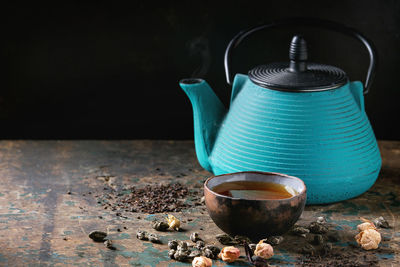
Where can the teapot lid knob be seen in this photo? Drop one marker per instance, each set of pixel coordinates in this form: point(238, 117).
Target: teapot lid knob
point(298, 75)
point(298, 54)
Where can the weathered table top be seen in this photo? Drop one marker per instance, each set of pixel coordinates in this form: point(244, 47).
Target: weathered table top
point(41, 224)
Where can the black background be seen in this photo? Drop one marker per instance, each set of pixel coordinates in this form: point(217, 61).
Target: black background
point(111, 71)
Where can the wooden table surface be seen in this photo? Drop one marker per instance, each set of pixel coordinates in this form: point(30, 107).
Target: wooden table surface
point(40, 224)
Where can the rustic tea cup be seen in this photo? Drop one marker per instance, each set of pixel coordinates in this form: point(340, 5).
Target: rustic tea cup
point(256, 219)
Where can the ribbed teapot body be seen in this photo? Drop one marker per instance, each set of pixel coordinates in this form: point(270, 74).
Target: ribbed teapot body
point(324, 138)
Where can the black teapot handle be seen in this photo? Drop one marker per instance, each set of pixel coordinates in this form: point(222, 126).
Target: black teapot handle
point(309, 22)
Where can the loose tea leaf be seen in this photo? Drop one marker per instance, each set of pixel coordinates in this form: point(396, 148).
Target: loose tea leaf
point(274, 240)
point(215, 250)
point(160, 226)
point(318, 228)
point(109, 245)
point(240, 239)
point(381, 222)
point(154, 238)
point(181, 255)
point(209, 254)
point(300, 231)
point(182, 245)
point(194, 237)
point(171, 253)
point(308, 249)
point(225, 239)
point(318, 240)
point(173, 244)
point(142, 235)
point(200, 244)
point(97, 236)
point(194, 253)
point(326, 248)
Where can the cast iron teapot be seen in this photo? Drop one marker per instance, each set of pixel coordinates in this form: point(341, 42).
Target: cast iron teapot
point(299, 118)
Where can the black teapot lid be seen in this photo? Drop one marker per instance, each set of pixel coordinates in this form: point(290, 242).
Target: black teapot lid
point(298, 75)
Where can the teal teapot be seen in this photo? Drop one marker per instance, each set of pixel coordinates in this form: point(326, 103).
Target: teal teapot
point(299, 118)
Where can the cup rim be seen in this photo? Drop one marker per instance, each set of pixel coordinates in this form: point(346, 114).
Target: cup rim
point(256, 172)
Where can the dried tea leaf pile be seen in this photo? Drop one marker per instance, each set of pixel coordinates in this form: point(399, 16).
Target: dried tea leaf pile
point(155, 198)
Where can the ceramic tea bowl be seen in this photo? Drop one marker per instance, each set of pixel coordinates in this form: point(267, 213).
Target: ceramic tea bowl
point(256, 219)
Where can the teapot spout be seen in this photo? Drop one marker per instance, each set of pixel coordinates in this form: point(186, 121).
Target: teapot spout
point(208, 113)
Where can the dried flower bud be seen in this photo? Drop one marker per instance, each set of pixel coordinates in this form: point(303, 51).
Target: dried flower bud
point(173, 222)
point(201, 262)
point(368, 239)
point(229, 254)
point(264, 250)
point(365, 226)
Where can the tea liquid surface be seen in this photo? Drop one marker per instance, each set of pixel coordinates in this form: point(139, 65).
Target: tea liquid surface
point(254, 190)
